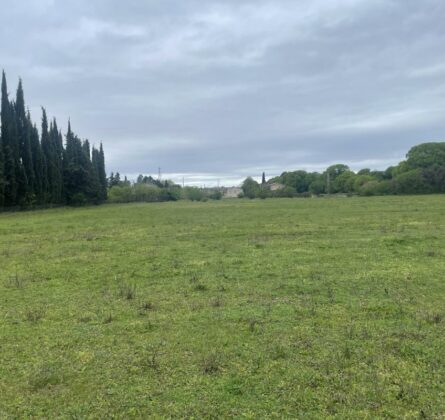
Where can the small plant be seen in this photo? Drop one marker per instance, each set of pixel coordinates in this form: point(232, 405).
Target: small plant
point(197, 285)
point(434, 318)
point(127, 291)
point(217, 302)
point(253, 323)
point(147, 306)
point(211, 364)
point(200, 287)
point(45, 376)
point(279, 352)
point(85, 319)
point(109, 318)
point(15, 281)
point(34, 315)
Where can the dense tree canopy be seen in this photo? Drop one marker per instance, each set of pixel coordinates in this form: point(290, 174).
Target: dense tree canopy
point(423, 172)
point(38, 169)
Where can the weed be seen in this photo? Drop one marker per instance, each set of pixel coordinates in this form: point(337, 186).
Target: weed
point(109, 318)
point(45, 376)
point(217, 302)
point(15, 281)
point(34, 315)
point(200, 287)
point(127, 291)
point(211, 364)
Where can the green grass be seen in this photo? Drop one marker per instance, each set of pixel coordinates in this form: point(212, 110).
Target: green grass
point(314, 308)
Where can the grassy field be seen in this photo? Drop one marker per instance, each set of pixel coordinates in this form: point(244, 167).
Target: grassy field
point(314, 308)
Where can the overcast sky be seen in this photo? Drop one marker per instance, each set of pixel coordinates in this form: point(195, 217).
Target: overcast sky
point(214, 90)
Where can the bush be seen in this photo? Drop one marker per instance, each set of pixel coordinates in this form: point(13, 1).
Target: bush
point(412, 182)
point(193, 193)
point(146, 193)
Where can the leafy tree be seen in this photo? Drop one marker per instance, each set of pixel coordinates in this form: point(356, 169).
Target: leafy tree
point(412, 182)
point(426, 155)
point(344, 182)
point(250, 188)
point(317, 187)
point(335, 170)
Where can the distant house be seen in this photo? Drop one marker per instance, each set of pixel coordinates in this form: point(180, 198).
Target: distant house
point(275, 186)
point(232, 192)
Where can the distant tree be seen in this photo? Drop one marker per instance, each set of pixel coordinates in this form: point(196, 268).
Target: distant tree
point(412, 182)
point(39, 164)
point(36, 170)
point(250, 188)
point(344, 183)
point(9, 162)
point(24, 146)
point(317, 187)
point(2, 179)
point(335, 170)
point(263, 178)
point(426, 155)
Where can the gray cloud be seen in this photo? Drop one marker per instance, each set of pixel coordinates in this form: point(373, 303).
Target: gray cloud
point(222, 89)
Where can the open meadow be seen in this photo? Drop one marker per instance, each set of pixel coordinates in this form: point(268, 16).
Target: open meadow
point(286, 308)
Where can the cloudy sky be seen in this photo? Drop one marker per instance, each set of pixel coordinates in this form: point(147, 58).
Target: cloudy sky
point(217, 90)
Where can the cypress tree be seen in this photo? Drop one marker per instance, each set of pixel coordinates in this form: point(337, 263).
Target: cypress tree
point(102, 174)
point(46, 150)
point(40, 185)
point(41, 169)
point(54, 163)
point(10, 185)
point(2, 180)
point(24, 141)
point(22, 191)
point(57, 148)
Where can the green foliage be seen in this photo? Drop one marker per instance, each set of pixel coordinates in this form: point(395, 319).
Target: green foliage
point(426, 155)
point(321, 308)
point(251, 188)
point(40, 171)
point(412, 182)
point(127, 193)
point(344, 182)
point(422, 173)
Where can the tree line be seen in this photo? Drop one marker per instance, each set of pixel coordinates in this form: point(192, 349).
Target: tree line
point(148, 189)
point(39, 168)
point(423, 172)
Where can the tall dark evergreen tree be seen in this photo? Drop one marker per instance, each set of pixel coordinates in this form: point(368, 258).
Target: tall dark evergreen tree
point(2, 179)
point(54, 164)
point(41, 170)
point(41, 184)
point(24, 140)
point(47, 154)
point(10, 184)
